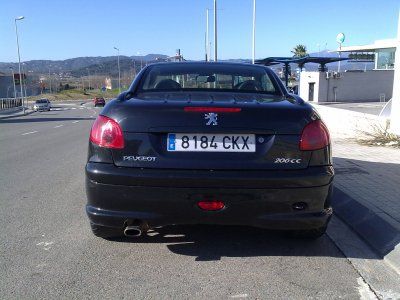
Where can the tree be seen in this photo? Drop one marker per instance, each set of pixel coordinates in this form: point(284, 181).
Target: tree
point(299, 51)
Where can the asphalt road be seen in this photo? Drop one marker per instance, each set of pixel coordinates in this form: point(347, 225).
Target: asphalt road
point(47, 250)
point(372, 108)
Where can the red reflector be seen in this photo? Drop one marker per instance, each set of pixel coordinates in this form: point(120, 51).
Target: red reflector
point(211, 205)
point(107, 133)
point(315, 136)
point(212, 109)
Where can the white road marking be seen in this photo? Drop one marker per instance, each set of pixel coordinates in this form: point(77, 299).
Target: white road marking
point(240, 296)
point(46, 245)
point(75, 121)
point(58, 126)
point(30, 132)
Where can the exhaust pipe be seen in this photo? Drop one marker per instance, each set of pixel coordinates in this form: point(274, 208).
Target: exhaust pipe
point(132, 231)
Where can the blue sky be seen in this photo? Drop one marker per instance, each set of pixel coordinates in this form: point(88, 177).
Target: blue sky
point(65, 29)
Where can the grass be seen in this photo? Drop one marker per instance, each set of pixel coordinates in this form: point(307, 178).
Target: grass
point(381, 137)
point(76, 94)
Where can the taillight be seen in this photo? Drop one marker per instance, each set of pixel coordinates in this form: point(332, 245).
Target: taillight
point(314, 136)
point(211, 205)
point(107, 133)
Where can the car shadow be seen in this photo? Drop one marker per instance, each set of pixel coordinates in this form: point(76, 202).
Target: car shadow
point(212, 242)
point(364, 197)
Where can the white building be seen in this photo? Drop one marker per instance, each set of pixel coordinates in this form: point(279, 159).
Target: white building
point(350, 86)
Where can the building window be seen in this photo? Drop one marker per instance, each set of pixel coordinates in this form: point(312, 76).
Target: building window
point(385, 58)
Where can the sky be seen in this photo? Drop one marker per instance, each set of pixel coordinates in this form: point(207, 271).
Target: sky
point(61, 29)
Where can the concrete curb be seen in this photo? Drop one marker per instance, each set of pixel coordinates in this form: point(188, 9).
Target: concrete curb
point(379, 234)
point(17, 113)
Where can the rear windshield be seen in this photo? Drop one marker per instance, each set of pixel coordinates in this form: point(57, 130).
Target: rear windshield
point(208, 77)
point(41, 101)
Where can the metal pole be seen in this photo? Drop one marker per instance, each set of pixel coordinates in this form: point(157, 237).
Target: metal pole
point(119, 72)
point(13, 79)
point(23, 72)
point(254, 32)
point(215, 32)
point(119, 75)
point(19, 64)
point(50, 82)
point(340, 48)
point(134, 66)
point(88, 77)
point(207, 36)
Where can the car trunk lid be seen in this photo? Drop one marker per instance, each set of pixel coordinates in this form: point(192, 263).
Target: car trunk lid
point(274, 122)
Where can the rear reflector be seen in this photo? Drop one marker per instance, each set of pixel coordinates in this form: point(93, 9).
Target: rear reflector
point(315, 136)
point(107, 133)
point(212, 109)
point(211, 205)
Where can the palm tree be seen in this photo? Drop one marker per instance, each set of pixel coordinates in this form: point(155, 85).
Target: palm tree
point(299, 51)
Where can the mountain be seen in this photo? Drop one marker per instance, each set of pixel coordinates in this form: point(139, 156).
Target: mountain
point(98, 65)
point(78, 65)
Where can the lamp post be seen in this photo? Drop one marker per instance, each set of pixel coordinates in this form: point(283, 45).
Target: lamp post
point(50, 81)
point(207, 37)
point(88, 74)
point(119, 72)
point(19, 61)
point(215, 32)
point(13, 79)
point(254, 32)
point(340, 39)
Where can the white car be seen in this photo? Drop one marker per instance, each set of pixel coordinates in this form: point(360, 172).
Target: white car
point(41, 105)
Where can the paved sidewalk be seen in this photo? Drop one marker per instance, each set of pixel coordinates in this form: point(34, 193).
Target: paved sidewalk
point(14, 112)
point(367, 194)
point(371, 174)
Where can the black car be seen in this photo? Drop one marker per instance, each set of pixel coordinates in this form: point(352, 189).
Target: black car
point(208, 143)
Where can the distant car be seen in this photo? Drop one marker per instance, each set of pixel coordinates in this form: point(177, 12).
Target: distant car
point(42, 105)
point(99, 101)
point(208, 143)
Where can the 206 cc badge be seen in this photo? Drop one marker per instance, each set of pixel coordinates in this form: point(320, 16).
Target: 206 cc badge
point(211, 118)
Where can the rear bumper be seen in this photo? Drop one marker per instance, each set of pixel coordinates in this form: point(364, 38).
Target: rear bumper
point(164, 197)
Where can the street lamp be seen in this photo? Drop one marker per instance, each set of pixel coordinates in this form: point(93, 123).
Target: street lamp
point(254, 32)
point(50, 89)
point(215, 32)
point(207, 36)
point(119, 72)
point(19, 61)
point(88, 77)
point(13, 79)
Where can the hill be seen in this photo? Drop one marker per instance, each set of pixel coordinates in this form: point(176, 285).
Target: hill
point(77, 64)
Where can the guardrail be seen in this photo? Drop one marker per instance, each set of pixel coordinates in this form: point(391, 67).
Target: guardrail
point(6, 103)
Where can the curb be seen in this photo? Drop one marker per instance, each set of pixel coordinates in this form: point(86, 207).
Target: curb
point(17, 113)
point(378, 233)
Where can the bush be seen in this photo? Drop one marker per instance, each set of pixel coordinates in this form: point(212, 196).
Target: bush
point(381, 137)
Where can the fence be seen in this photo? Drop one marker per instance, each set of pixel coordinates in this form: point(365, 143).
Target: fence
point(6, 103)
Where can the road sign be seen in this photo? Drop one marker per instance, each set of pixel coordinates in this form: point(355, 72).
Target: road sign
point(17, 78)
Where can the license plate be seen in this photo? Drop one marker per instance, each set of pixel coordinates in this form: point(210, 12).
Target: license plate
point(199, 142)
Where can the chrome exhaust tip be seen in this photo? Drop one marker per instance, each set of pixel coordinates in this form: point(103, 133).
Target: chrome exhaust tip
point(132, 231)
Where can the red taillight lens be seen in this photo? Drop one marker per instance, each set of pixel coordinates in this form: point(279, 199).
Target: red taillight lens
point(211, 205)
point(107, 133)
point(315, 136)
point(203, 109)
